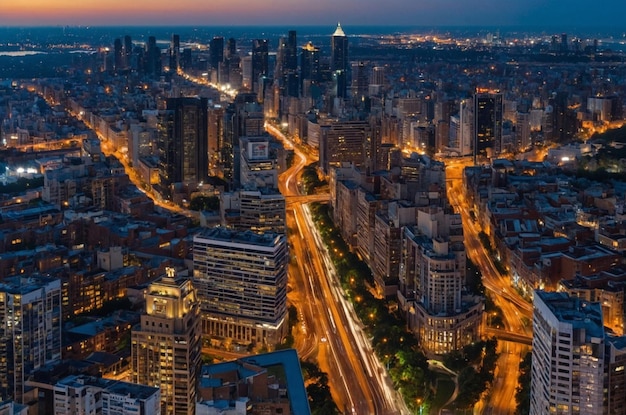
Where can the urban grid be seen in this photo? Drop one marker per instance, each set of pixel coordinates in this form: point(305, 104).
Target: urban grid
point(315, 221)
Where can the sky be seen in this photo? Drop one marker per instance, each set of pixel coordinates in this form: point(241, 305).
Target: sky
point(537, 13)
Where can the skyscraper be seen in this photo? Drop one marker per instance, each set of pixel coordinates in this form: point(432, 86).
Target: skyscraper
point(128, 51)
point(216, 50)
point(310, 63)
point(339, 61)
point(260, 62)
point(183, 142)
point(175, 53)
point(152, 65)
point(30, 330)
point(242, 285)
point(166, 345)
point(488, 108)
point(118, 54)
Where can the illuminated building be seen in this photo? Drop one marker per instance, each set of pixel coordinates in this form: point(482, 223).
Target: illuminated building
point(310, 63)
point(339, 60)
point(30, 330)
point(343, 142)
point(183, 142)
point(242, 285)
point(488, 109)
point(165, 347)
point(261, 210)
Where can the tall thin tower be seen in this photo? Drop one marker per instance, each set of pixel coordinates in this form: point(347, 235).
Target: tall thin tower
point(339, 60)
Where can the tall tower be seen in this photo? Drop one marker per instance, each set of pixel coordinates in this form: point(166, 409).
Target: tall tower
point(216, 49)
point(30, 330)
point(488, 109)
point(183, 142)
point(260, 62)
point(175, 53)
point(166, 345)
point(152, 65)
point(118, 54)
point(339, 60)
point(242, 285)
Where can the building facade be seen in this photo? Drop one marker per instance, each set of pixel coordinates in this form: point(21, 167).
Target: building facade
point(242, 285)
point(30, 330)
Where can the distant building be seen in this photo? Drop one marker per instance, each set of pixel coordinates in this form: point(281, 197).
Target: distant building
point(242, 285)
point(339, 61)
point(260, 63)
point(30, 330)
point(216, 50)
point(79, 394)
point(257, 167)
point(165, 347)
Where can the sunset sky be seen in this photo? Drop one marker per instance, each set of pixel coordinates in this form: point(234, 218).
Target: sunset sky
point(316, 12)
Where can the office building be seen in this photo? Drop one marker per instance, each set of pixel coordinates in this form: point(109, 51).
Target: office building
point(165, 346)
point(568, 360)
point(87, 395)
point(343, 142)
point(183, 142)
point(339, 61)
point(152, 63)
point(242, 285)
point(30, 330)
point(488, 109)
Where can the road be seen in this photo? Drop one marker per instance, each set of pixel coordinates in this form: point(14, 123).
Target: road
point(517, 313)
point(358, 382)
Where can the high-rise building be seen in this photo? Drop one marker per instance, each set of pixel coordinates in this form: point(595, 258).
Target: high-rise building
point(360, 80)
point(216, 50)
point(339, 61)
point(488, 117)
point(166, 345)
point(310, 63)
point(183, 142)
point(568, 360)
point(175, 53)
point(128, 51)
point(118, 54)
point(80, 394)
point(30, 330)
point(286, 72)
point(152, 65)
point(262, 210)
point(260, 62)
point(242, 285)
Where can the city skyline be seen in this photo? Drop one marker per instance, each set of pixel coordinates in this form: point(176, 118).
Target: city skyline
point(369, 12)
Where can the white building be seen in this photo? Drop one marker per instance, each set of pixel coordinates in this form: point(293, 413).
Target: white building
point(88, 395)
point(568, 356)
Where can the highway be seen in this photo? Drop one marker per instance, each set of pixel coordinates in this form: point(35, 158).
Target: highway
point(517, 313)
point(359, 384)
